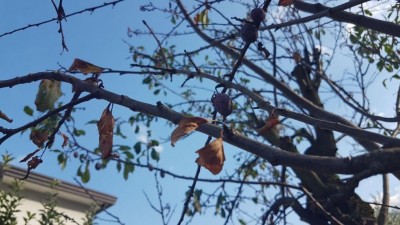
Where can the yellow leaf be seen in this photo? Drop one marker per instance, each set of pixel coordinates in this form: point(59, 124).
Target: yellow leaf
point(48, 93)
point(106, 126)
point(185, 127)
point(212, 156)
point(85, 67)
point(5, 117)
point(204, 18)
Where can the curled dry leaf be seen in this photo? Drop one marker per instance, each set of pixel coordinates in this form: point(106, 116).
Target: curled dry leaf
point(48, 93)
point(29, 155)
point(106, 126)
point(185, 127)
point(285, 2)
point(212, 156)
point(85, 67)
point(5, 117)
point(271, 122)
point(32, 164)
point(65, 140)
point(39, 137)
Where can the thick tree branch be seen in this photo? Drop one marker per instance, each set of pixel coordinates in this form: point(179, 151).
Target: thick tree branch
point(363, 21)
point(376, 162)
point(383, 216)
point(289, 93)
point(317, 15)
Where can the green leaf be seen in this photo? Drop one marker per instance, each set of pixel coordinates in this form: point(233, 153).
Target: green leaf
point(129, 155)
point(28, 110)
point(396, 76)
point(129, 168)
point(78, 132)
point(92, 122)
point(49, 92)
point(353, 39)
point(154, 143)
point(124, 148)
point(241, 221)
point(86, 175)
point(119, 166)
point(147, 80)
point(62, 160)
point(138, 147)
point(155, 155)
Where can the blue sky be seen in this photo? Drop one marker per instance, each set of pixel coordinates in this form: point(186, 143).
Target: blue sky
point(99, 38)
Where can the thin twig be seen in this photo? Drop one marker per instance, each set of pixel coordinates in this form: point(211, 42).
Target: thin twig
point(159, 44)
point(91, 9)
point(117, 219)
point(11, 132)
point(328, 214)
point(189, 196)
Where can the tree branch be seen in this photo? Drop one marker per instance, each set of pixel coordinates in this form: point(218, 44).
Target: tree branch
point(363, 21)
point(376, 162)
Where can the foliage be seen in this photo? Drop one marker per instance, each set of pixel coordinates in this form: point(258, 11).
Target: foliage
point(11, 198)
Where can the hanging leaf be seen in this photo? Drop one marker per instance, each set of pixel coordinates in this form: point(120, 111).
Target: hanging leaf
point(28, 110)
point(212, 156)
point(29, 155)
point(185, 127)
point(5, 117)
point(65, 138)
point(48, 94)
point(106, 127)
point(85, 67)
point(39, 137)
point(285, 2)
point(32, 164)
point(196, 18)
point(271, 122)
point(269, 131)
point(204, 18)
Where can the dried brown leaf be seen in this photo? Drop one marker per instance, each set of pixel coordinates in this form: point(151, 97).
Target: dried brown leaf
point(65, 140)
point(106, 126)
point(271, 122)
point(185, 127)
point(29, 155)
point(5, 117)
point(32, 164)
point(212, 156)
point(85, 67)
point(39, 137)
